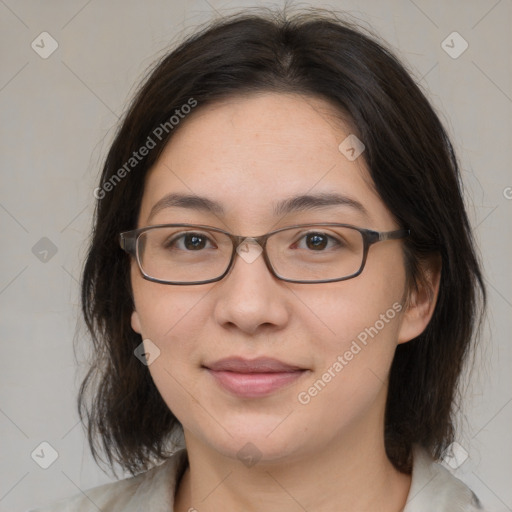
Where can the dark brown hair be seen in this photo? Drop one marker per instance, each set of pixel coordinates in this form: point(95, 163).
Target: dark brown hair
point(314, 53)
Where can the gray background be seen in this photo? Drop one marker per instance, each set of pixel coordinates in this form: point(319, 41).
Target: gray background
point(58, 117)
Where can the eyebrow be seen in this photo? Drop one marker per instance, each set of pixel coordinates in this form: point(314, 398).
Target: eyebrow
point(305, 202)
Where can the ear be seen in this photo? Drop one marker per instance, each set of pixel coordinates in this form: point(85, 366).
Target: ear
point(135, 321)
point(421, 302)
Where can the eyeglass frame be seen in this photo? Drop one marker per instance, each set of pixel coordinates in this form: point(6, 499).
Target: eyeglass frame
point(128, 240)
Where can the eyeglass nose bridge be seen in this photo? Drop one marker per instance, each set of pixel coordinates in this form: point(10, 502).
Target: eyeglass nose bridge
point(239, 241)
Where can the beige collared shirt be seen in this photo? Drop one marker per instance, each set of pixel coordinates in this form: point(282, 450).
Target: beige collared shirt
point(433, 489)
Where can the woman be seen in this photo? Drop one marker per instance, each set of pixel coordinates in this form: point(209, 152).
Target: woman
point(281, 287)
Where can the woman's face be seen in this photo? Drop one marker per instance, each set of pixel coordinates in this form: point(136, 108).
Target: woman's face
point(248, 155)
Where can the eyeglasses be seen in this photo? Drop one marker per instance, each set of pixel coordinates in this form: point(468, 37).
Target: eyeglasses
point(188, 254)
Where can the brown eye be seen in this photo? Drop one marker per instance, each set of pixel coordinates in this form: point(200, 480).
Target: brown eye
point(194, 241)
point(188, 242)
point(316, 241)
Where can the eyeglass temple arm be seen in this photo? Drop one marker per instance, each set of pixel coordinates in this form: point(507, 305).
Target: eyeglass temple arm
point(127, 242)
point(394, 235)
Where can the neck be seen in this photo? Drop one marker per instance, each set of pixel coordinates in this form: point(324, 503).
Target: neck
point(352, 472)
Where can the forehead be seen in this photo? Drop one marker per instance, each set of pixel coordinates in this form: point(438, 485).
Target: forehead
point(250, 153)
point(263, 125)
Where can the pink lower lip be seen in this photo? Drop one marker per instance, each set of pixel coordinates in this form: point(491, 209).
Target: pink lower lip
point(253, 385)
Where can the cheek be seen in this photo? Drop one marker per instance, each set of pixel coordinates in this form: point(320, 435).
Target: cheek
point(340, 312)
point(168, 315)
point(173, 319)
point(353, 363)
point(359, 320)
point(362, 339)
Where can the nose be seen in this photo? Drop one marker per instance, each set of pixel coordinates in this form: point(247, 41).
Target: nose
point(249, 297)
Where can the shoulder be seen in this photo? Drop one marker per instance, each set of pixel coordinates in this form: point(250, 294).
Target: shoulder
point(151, 490)
point(433, 487)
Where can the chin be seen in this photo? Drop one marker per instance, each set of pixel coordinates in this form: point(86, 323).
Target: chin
point(259, 442)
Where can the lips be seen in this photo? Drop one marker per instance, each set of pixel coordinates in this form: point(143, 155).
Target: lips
point(259, 365)
point(253, 378)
